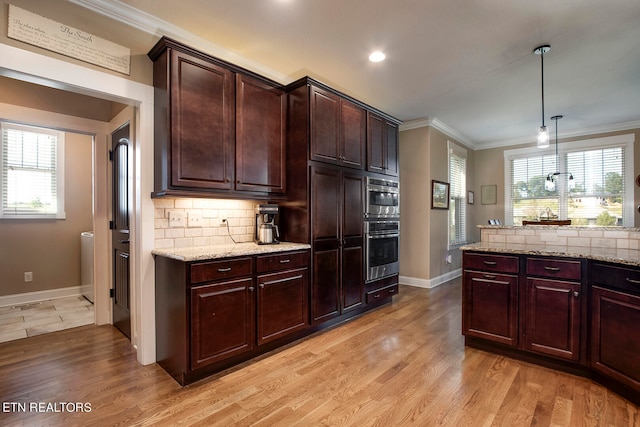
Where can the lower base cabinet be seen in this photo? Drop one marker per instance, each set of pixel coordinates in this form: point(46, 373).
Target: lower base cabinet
point(552, 320)
point(212, 315)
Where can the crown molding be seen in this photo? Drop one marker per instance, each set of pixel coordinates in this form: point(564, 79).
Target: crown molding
point(615, 127)
point(150, 24)
point(442, 127)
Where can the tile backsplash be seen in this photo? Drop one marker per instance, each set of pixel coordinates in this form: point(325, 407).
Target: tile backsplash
point(564, 237)
point(182, 222)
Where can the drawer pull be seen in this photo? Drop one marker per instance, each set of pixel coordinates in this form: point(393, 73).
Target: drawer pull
point(576, 294)
point(552, 268)
point(489, 276)
point(284, 261)
point(633, 282)
point(224, 270)
point(376, 296)
point(490, 262)
point(391, 291)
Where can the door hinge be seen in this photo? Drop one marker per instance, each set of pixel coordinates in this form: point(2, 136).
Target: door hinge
point(111, 155)
point(112, 293)
point(112, 226)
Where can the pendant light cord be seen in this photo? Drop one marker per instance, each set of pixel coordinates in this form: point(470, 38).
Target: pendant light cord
point(542, 80)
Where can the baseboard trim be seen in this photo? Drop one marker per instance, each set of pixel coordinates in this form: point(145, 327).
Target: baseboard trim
point(29, 297)
point(430, 283)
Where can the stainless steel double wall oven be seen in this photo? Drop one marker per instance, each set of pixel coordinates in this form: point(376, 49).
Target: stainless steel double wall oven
point(382, 228)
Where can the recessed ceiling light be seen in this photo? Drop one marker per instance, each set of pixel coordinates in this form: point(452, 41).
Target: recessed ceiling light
point(377, 56)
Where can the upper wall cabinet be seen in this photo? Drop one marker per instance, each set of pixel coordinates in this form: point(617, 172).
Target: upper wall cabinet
point(382, 145)
point(218, 128)
point(338, 133)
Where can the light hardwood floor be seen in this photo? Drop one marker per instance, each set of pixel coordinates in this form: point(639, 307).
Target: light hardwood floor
point(403, 364)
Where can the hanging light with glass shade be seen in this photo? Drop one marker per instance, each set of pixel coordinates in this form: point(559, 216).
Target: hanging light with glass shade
point(543, 132)
point(550, 182)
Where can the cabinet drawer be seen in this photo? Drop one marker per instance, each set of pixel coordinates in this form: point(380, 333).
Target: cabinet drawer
point(620, 278)
point(559, 269)
point(285, 261)
point(498, 263)
point(219, 270)
point(380, 294)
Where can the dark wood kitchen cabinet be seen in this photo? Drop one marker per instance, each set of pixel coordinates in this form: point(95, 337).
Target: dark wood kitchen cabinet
point(615, 341)
point(219, 130)
point(338, 129)
point(283, 295)
point(382, 145)
point(337, 226)
point(213, 314)
point(552, 307)
point(490, 298)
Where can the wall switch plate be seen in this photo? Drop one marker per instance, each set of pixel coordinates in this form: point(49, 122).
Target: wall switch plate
point(28, 276)
point(176, 219)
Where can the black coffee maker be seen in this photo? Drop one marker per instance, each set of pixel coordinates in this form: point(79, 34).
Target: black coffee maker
point(266, 229)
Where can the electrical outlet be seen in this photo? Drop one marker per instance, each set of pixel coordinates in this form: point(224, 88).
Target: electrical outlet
point(176, 219)
point(194, 218)
point(28, 276)
point(223, 222)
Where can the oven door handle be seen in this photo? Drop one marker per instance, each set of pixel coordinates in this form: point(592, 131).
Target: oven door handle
point(382, 236)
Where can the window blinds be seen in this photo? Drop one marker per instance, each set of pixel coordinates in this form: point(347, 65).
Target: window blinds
point(457, 194)
point(29, 171)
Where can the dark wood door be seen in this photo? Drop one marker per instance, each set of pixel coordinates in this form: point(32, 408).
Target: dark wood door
point(282, 304)
point(260, 136)
point(326, 193)
point(553, 318)
point(221, 321)
point(375, 143)
point(353, 134)
point(325, 122)
point(490, 304)
point(391, 165)
point(615, 342)
point(120, 235)
point(352, 241)
point(202, 123)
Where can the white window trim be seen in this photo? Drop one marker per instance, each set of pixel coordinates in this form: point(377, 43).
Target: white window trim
point(60, 212)
point(627, 141)
point(461, 152)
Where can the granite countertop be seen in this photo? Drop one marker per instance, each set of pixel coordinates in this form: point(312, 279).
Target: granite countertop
point(556, 227)
point(620, 256)
point(200, 253)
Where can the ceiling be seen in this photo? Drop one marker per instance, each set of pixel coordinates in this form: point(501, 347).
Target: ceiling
point(466, 66)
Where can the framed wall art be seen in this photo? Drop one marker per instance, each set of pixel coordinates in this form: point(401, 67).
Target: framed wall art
point(439, 194)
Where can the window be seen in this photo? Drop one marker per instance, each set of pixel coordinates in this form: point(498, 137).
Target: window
point(32, 163)
point(594, 187)
point(458, 196)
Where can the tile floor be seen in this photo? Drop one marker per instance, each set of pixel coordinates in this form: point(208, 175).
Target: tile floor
point(28, 320)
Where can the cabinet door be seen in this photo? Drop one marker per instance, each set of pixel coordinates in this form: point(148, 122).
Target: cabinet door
point(325, 122)
point(283, 305)
point(260, 136)
point(553, 318)
point(202, 123)
point(221, 321)
point(615, 342)
point(326, 194)
point(375, 143)
point(352, 241)
point(391, 150)
point(353, 134)
point(490, 306)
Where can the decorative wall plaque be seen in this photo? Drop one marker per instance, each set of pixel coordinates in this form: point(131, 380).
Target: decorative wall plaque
point(48, 34)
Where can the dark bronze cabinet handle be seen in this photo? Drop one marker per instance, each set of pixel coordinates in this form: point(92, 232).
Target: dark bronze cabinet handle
point(224, 270)
point(633, 282)
point(284, 261)
point(490, 262)
point(489, 276)
point(552, 268)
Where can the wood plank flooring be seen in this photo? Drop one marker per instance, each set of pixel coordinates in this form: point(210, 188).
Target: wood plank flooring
point(403, 364)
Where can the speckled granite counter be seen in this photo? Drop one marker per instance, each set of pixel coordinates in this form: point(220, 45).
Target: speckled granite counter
point(619, 256)
point(200, 253)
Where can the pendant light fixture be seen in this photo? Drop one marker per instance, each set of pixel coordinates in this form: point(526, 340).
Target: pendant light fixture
point(543, 132)
point(550, 183)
